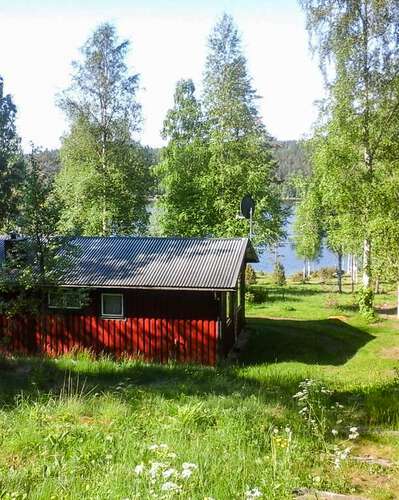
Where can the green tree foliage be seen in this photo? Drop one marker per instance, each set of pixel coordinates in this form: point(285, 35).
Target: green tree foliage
point(185, 207)
point(104, 181)
point(250, 276)
point(11, 162)
point(278, 275)
point(241, 159)
point(39, 257)
point(308, 229)
point(355, 154)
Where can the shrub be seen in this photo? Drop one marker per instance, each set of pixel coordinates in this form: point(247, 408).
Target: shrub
point(250, 276)
point(256, 295)
point(297, 277)
point(325, 273)
point(365, 299)
point(278, 276)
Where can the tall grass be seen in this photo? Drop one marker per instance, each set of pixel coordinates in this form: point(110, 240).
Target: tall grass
point(85, 428)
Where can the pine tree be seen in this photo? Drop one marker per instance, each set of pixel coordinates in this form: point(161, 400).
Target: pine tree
point(241, 159)
point(104, 180)
point(11, 161)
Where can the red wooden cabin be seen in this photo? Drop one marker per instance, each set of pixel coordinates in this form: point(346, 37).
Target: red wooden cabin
point(160, 298)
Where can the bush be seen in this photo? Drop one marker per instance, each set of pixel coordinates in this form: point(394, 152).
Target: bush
point(278, 276)
point(365, 299)
point(250, 276)
point(325, 273)
point(297, 277)
point(256, 295)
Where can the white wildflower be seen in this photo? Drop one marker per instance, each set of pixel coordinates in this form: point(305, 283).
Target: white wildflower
point(170, 486)
point(275, 430)
point(172, 455)
point(168, 473)
point(188, 465)
point(334, 432)
point(186, 473)
point(139, 469)
point(253, 493)
point(153, 447)
point(163, 446)
point(155, 466)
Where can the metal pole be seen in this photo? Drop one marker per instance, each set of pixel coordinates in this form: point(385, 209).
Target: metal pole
point(250, 223)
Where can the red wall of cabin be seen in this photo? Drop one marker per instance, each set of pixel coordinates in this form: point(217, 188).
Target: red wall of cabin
point(158, 326)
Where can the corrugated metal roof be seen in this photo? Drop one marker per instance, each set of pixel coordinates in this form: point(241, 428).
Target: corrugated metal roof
point(166, 263)
point(3, 238)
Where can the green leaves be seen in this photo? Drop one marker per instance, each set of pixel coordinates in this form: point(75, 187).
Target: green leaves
point(218, 151)
point(354, 159)
point(105, 178)
point(11, 162)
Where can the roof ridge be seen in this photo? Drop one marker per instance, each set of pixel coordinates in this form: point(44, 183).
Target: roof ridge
point(210, 238)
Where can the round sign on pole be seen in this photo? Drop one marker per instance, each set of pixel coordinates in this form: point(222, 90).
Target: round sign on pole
point(247, 206)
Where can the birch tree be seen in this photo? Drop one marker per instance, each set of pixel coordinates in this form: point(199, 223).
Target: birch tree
point(359, 55)
point(103, 181)
point(185, 206)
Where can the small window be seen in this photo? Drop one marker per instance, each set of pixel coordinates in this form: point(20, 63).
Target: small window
point(112, 305)
point(59, 299)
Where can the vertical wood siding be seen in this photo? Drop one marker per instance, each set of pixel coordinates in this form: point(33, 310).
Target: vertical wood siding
point(155, 339)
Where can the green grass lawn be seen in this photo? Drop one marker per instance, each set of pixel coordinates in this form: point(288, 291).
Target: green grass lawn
point(77, 428)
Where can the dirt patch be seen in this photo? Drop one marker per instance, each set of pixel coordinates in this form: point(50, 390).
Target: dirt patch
point(376, 450)
point(369, 484)
point(388, 310)
point(390, 352)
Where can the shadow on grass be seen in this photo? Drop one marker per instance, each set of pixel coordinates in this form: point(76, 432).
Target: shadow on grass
point(329, 342)
point(322, 342)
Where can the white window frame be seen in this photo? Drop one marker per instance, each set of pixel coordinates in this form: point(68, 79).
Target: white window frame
point(113, 315)
point(62, 304)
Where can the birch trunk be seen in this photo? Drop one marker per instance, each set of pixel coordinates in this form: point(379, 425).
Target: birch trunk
point(339, 273)
point(366, 263)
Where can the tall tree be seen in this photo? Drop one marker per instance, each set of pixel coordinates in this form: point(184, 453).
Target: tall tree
point(104, 180)
point(359, 54)
point(11, 161)
point(185, 206)
point(241, 159)
point(38, 258)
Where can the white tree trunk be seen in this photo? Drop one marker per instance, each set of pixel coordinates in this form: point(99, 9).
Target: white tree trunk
point(366, 263)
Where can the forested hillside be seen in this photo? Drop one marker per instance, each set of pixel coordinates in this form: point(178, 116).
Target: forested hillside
point(290, 156)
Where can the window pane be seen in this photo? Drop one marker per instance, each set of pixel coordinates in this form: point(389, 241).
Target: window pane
point(55, 299)
point(72, 300)
point(112, 305)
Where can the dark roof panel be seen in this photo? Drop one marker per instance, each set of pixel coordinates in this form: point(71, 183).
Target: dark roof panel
point(146, 262)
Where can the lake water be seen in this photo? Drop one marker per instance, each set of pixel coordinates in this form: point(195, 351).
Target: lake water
point(288, 257)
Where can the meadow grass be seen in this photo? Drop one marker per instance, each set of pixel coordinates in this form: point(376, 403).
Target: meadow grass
point(84, 428)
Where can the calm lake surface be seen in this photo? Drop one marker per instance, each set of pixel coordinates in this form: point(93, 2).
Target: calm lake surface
point(288, 257)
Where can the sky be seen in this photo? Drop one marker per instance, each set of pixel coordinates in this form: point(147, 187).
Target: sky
point(40, 38)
